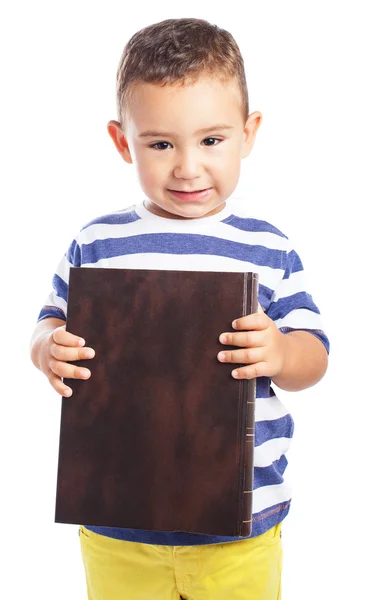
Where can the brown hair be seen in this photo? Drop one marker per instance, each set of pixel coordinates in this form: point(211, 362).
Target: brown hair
point(179, 50)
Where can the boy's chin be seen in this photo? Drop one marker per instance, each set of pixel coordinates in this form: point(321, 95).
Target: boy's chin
point(199, 212)
point(185, 211)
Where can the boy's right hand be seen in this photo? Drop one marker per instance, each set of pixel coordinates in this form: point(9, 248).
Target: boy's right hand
point(61, 346)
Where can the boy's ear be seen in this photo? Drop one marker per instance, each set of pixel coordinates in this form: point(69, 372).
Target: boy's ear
point(250, 130)
point(119, 140)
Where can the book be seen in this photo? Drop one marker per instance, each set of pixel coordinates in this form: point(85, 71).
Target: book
point(161, 437)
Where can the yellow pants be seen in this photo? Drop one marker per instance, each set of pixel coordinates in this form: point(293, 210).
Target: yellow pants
point(244, 570)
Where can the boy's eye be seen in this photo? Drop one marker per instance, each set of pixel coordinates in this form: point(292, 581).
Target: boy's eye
point(213, 141)
point(160, 145)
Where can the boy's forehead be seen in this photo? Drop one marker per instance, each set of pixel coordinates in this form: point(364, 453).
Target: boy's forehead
point(194, 105)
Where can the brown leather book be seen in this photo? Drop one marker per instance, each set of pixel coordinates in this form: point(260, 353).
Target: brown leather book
point(161, 437)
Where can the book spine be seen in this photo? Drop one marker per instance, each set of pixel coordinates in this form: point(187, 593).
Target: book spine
point(248, 392)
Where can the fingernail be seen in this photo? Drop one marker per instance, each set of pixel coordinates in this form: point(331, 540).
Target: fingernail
point(67, 393)
point(223, 339)
point(81, 342)
point(235, 374)
point(89, 353)
point(221, 356)
point(234, 324)
point(85, 373)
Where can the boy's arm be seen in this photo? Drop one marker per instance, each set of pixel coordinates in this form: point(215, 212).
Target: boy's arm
point(285, 343)
point(52, 346)
point(294, 360)
point(39, 339)
point(305, 361)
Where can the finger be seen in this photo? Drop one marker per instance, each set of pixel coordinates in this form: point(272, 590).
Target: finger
point(257, 321)
point(244, 339)
point(63, 369)
point(251, 371)
point(58, 385)
point(65, 338)
point(65, 353)
point(245, 356)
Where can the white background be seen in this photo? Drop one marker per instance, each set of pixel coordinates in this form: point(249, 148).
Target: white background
point(312, 71)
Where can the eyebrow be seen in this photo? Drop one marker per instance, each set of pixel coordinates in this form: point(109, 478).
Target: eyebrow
point(218, 127)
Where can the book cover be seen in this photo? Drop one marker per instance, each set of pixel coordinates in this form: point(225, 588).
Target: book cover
point(161, 437)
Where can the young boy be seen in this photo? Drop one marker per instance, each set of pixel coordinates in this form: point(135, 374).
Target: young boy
point(184, 123)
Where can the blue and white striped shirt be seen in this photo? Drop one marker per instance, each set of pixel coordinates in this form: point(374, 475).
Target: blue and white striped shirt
point(134, 238)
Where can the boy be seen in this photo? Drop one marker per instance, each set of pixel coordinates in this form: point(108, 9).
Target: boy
point(184, 123)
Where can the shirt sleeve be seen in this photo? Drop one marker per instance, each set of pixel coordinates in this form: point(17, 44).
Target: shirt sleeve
point(56, 302)
point(292, 306)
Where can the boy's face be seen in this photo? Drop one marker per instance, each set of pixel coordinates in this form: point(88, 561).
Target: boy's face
point(186, 143)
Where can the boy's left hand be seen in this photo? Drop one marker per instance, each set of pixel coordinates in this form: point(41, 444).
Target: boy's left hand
point(261, 346)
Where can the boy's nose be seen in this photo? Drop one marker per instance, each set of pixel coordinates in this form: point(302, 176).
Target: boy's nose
point(187, 166)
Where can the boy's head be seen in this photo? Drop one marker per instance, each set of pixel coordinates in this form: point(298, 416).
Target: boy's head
point(183, 115)
point(178, 51)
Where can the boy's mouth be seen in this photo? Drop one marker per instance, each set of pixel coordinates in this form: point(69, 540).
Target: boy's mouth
point(191, 196)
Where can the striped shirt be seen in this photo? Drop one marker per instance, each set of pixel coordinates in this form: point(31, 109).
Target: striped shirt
point(134, 238)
